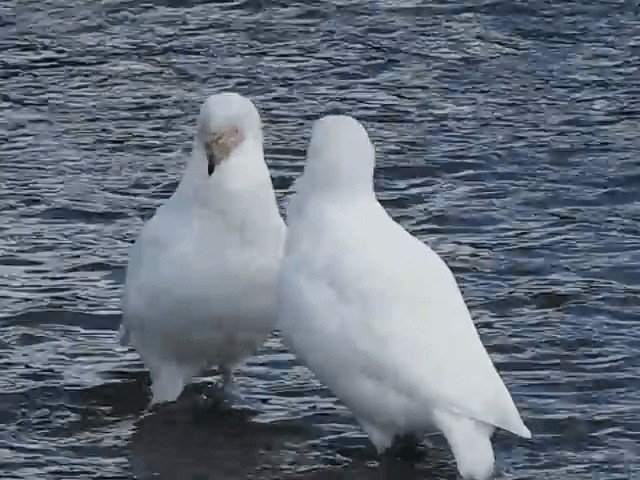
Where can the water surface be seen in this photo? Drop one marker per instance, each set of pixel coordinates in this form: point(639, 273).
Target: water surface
point(507, 138)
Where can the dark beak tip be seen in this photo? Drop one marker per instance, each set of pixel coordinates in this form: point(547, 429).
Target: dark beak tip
point(211, 163)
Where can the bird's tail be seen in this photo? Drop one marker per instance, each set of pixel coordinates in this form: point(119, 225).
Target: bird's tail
point(470, 442)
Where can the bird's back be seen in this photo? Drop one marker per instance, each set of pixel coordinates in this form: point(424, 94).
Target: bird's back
point(372, 299)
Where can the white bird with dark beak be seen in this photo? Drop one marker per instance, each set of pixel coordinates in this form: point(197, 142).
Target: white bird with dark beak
point(377, 315)
point(200, 288)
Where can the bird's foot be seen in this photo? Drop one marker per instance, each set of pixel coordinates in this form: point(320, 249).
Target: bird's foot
point(405, 447)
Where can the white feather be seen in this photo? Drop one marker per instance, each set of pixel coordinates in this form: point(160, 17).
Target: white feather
point(378, 316)
point(200, 287)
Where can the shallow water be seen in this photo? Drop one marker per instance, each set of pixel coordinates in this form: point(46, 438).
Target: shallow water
point(507, 138)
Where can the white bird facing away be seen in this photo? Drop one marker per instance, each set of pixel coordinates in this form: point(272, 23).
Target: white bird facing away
point(200, 287)
point(377, 315)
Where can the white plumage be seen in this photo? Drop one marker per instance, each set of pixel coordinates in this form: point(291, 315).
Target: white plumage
point(377, 315)
point(200, 287)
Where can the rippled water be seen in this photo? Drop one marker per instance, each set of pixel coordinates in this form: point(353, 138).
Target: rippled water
point(507, 137)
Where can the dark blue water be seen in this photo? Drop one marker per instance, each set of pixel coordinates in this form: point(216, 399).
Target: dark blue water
point(507, 136)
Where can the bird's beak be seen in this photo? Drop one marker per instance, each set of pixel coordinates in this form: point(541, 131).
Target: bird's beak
point(211, 162)
point(220, 146)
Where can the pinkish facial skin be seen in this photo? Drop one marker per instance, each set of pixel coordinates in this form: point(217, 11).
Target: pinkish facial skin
point(220, 145)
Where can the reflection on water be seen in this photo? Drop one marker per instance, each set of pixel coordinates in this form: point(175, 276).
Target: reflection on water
point(194, 440)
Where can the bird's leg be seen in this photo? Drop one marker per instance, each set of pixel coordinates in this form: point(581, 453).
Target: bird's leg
point(232, 394)
point(229, 385)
